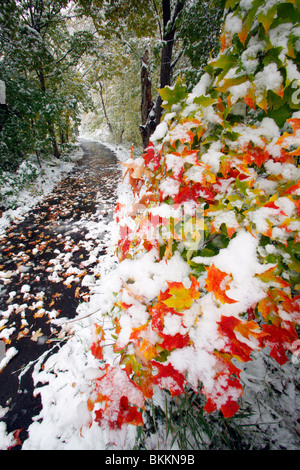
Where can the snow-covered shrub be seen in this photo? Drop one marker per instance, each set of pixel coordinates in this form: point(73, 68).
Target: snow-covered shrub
point(209, 246)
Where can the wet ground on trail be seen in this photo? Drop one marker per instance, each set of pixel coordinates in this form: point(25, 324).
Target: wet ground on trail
point(47, 263)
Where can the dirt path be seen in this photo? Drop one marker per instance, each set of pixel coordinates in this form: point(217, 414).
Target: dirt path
point(46, 264)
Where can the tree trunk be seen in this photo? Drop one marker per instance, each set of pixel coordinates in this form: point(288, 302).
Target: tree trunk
point(104, 109)
point(62, 137)
point(169, 37)
point(146, 102)
point(51, 129)
point(121, 136)
point(4, 112)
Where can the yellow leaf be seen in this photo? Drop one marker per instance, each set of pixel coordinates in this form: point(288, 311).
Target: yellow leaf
point(181, 298)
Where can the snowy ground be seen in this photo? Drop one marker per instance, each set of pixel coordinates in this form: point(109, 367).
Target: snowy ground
point(64, 421)
point(17, 203)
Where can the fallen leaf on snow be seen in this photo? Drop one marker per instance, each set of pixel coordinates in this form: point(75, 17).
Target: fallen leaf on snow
point(36, 335)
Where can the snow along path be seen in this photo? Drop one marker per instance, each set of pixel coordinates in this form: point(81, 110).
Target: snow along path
point(48, 261)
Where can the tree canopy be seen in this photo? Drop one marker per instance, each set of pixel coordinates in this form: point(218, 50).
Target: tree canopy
point(43, 87)
point(60, 59)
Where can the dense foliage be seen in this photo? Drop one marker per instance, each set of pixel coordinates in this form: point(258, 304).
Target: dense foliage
point(209, 246)
point(176, 35)
point(39, 55)
point(60, 59)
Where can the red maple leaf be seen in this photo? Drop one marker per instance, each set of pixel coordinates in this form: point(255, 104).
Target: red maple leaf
point(96, 348)
point(279, 339)
point(151, 156)
point(224, 396)
point(158, 313)
point(176, 341)
point(169, 378)
point(194, 192)
point(97, 351)
point(121, 398)
point(236, 348)
point(17, 441)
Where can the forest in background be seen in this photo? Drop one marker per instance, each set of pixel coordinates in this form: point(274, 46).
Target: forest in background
point(101, 61)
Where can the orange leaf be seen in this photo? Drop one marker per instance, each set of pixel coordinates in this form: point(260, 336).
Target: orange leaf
point(256, 155)
point(148, 350)
point(250, 328)
point(292, 188)
point(268, 308)
point(231, 231)
point(90, 404)
point(96, 350)
point(269, 276)
point(217, 282)
point(243, 34)
point(295, 123)
point(292, 306)
point(250, 98)
point(136, 333)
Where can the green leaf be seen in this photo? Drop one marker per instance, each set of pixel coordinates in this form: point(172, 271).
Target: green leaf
point(266, 18)
point(273, 56)
point(175, 94)
point(231, 4)
point(232, 82)
point(204, 100)
point(224, 62)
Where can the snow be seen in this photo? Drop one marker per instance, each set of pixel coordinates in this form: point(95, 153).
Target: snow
point(174, 163)
point(233, 23)
point(169, 187)
point(279, 37)
point(6, 440)
point(292, 71)
point(268, 79)
point(160, 131)
point(248, 57)
point(212, 158)
point(267, 128)
point(19, 202)
point(9, 354)
point(239, 91)
point(246, 4)
point(240, 260)
point(201, 87)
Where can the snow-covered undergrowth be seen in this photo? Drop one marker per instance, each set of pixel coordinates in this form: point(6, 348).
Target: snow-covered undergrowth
point(200, 300)
point(22, 190)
